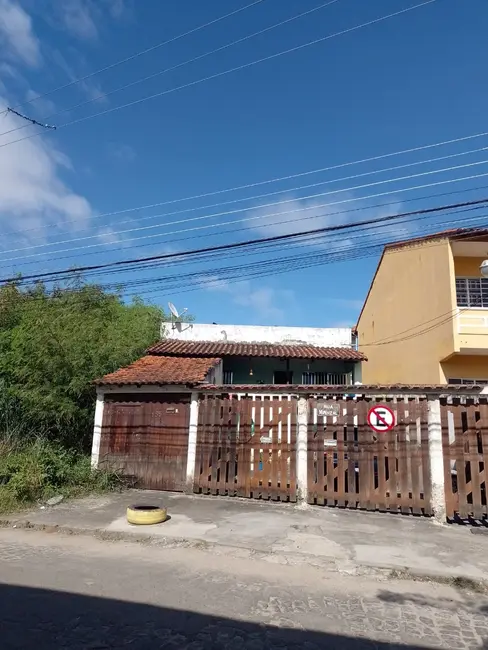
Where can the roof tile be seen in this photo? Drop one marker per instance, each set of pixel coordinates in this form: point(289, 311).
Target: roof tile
point(225, 349)
point(162, 370)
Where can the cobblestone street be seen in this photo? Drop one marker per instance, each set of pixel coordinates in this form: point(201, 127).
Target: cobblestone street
point(82, 593)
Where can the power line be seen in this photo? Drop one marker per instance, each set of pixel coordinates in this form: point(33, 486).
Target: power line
point(260, 268)
point(282, 178)
point(287, 191)
point(352, 249)
point(258, 207)
point(268, 225)
point(179, 65)
point(252, 242)
point(225, 72)
point(248, 219)
point(138, 54)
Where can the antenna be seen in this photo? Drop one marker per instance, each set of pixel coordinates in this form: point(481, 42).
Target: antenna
point(173, 310)
point(175, 315)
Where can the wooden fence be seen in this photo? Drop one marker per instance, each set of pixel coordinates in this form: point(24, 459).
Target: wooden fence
point(465, 447)
point(246, 446)
point(351, 465)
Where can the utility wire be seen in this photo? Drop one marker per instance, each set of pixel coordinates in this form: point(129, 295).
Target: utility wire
point(256, 218)
point(224, 72)
point(237, 245)
point(275, 193)
point(256, 208)
point(280, 179)
point(138, 54)
point(175, 67)
point(261, 268)
point(268, 225)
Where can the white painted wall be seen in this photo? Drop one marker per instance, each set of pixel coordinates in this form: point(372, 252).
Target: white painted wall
point(320, 336)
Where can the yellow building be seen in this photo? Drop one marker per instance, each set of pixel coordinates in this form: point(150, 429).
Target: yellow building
point(425, 318)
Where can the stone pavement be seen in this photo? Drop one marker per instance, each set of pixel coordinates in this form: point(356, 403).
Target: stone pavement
point(351, 542)
point(75, 592)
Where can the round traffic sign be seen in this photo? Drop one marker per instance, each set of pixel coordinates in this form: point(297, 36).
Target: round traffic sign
point(381, 418)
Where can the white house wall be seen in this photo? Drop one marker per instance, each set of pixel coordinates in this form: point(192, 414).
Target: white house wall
point(319, 336)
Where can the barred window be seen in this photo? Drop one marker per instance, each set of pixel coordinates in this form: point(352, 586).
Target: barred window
point(228, 377)
point(467, 382)
point(472, 292)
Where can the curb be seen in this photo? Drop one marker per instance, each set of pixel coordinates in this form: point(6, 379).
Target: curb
point(344, 567)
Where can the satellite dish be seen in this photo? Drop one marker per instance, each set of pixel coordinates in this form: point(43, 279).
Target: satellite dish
point(173, 310)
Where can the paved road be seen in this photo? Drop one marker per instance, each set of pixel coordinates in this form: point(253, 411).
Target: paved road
point(80, 593)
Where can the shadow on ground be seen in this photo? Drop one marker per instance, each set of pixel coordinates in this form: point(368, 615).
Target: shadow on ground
point(42, 619)
point(469, 602)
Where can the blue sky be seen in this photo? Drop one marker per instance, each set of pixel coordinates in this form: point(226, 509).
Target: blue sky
point(409, 81)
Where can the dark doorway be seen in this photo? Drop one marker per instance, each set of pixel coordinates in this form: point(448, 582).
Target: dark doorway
point(283, 377)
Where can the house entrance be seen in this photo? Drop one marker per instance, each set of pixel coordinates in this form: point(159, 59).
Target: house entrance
point(246, 446)
point(146, 436)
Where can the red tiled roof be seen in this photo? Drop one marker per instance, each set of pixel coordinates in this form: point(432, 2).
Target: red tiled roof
point(162, 370)
point(226, 349)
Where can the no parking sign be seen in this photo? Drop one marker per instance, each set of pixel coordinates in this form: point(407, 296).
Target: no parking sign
point(381, 418)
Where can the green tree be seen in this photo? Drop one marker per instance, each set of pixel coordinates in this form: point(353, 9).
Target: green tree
point(53, 344)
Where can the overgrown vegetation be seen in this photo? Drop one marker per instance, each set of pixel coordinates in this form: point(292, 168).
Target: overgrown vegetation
point(40, 470)
point(54, 342)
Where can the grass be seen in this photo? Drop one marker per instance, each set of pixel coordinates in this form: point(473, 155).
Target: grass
point(33, 473)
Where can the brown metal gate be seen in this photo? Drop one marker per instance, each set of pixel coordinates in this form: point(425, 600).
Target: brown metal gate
point(465, 446)
point(246, 447)
point(352, 466)
point(146, 436)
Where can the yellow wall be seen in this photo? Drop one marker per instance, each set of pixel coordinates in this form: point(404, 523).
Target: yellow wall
point(467, 267)
point(466, 367)
point(413, 290)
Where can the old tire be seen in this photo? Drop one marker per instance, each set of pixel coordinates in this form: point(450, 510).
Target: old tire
point(146, 515)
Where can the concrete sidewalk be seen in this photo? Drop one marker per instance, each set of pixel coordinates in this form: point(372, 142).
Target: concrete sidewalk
point(351, 542)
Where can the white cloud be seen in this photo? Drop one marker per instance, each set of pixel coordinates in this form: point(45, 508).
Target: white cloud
point(268, 305)
point(265, 304)
point(78, 16)
point(16, 35)
point(108, 235)
point(83, 18)
point(120, 152)
point(117, 8)
point(91, 87)
point(44, 106)
point(32, 193)
point(298, 215)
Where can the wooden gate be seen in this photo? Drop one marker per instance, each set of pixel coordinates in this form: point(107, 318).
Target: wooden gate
point(352, 466)
point(465, 446)
point(146, 436)
point(246, 447)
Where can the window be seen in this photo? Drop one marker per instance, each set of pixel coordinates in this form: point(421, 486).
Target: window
point(472, 292)
point(228, 377)
point(467, 382)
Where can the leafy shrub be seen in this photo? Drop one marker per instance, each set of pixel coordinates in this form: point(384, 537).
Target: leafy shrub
point(38, 471)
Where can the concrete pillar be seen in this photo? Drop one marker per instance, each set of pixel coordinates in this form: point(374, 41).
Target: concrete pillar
point(192, 441)
point(436, 460)
point(302, 448)
point(97, 430)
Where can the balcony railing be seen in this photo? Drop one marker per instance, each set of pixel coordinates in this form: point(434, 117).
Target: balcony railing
point(471, 323)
